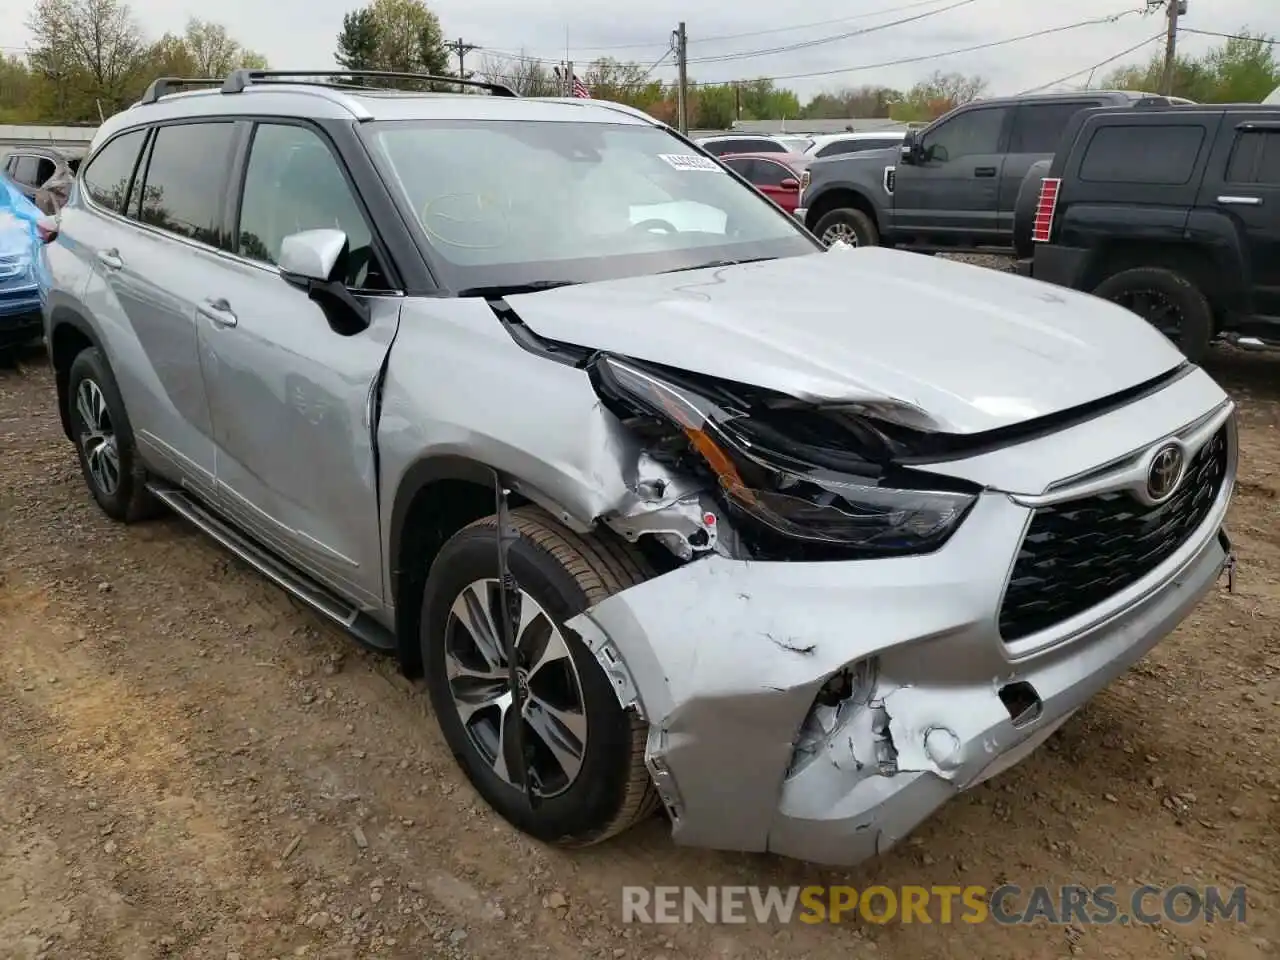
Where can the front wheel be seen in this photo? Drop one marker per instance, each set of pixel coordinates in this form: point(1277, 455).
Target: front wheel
point(852, 226)
point(1168, 301)
point(583, 753)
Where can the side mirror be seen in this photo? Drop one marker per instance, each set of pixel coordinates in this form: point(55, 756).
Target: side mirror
point(313, 255)
point(790, 183)
point(316, 260)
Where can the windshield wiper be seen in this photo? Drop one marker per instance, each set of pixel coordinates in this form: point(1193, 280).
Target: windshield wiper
point(512, 289)
point(719, 263)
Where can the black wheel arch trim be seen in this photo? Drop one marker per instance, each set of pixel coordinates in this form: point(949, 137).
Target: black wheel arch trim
point(421, 474)
point(817, 200)
point(61, 316)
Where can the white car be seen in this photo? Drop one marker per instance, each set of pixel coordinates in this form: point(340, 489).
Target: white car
point(835, 144)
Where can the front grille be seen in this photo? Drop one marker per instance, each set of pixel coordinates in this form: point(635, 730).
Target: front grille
point(1078, 554)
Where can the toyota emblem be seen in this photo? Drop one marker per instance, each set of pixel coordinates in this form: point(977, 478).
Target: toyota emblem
point(1165, 472)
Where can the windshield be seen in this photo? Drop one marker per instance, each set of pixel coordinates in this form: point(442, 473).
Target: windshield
point(519, 202)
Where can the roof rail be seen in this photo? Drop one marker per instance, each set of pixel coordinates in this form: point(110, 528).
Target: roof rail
point(237, 80)
point(164, 86)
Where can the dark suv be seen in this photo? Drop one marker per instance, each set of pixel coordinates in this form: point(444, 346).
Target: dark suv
point(953, 185)
point(1175, 215)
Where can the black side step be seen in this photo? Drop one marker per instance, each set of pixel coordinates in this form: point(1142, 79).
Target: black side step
point(360, 625)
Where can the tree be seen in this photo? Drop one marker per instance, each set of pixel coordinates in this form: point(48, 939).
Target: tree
point(358, 41)
point(86, 50)
point(527, 76)
point(940, 93)
point(865, 102)
point(214, 53)
point(1243, 69)
point(400, 36)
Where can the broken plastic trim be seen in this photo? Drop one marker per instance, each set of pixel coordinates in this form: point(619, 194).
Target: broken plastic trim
point(799, 477)
point(845, 693)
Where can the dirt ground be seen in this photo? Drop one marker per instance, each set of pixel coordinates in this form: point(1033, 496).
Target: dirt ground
point(192, 766)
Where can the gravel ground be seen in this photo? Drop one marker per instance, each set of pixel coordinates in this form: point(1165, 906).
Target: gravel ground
point(192, 766)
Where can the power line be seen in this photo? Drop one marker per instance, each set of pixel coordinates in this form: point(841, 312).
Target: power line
point(899, 8)
point(932, 56)
point(1229, 36)
point(819, 41)
point(896, 8)
point(1096, 66)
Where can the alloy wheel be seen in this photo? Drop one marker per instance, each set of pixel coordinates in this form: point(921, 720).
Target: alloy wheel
point(98, 437)
point(1156, 308)
point(553, 713)
point(840, 231)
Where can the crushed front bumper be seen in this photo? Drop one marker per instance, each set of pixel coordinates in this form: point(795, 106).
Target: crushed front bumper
point(725, 658)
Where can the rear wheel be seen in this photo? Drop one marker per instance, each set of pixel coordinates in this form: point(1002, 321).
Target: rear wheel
point(852, 226)
point(104, 440)
point(1168, 301)
point(583, 752)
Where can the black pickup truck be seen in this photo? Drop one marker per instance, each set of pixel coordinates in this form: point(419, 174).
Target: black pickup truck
point(1174, 214)
point(953, 185)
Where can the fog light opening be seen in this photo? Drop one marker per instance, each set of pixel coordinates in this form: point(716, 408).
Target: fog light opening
point(844, 693)
point(1023, 703)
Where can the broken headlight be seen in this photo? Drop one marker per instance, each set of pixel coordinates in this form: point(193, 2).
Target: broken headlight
point(795, 473)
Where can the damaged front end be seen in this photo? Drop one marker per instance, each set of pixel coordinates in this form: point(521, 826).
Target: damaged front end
point(820, 661)
point(794, 481)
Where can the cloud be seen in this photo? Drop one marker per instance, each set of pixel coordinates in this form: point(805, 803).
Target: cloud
point(300, 33)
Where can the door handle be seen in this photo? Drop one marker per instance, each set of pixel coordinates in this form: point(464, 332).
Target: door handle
point(110, 259)
point(984, 171)
point(1240, 201)
point(219, 311)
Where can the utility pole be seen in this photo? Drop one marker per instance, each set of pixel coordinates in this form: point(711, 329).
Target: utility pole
point(737, 100)
point(1173, 9)
point(681, 42)
point(460, 49)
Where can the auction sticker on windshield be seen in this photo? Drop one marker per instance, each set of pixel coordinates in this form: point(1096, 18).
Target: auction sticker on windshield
point(689, 161)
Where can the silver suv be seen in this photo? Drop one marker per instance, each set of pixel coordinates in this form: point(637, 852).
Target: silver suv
point(670, 504)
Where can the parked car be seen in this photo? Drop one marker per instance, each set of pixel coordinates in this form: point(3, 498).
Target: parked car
point(838, 144)
point(719, 146)
point(43, 174)
point(1120, 179)
point(776, 175)
point(794, 143)
point(954, 184)
point(797, 542)
point(19, 281)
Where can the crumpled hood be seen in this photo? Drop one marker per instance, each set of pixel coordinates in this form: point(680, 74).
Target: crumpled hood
point(973, 348)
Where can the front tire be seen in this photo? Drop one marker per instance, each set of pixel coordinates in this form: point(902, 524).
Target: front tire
point(584, 752)
point(104, 441)
point(1168, 301)
point(852, 226)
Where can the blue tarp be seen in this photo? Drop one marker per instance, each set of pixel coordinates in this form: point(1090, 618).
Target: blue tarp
point(19, 241)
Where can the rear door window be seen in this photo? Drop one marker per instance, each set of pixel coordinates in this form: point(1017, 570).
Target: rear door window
point(1256, 158)
point(770, 174)
point(107, 175)
point(743, 166)
point(1159, 154)
point(1037, 127)
point(28, 171)
point(184, 187)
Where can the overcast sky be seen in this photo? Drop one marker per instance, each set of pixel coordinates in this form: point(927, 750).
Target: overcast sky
point(300, 34)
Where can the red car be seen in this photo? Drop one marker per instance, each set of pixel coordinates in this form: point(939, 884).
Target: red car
point(776, 175)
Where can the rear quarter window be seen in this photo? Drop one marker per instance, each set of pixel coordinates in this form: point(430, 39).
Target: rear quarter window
point(1161, 154)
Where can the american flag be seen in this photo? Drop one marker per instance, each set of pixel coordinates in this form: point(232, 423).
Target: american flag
point(579, 89)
